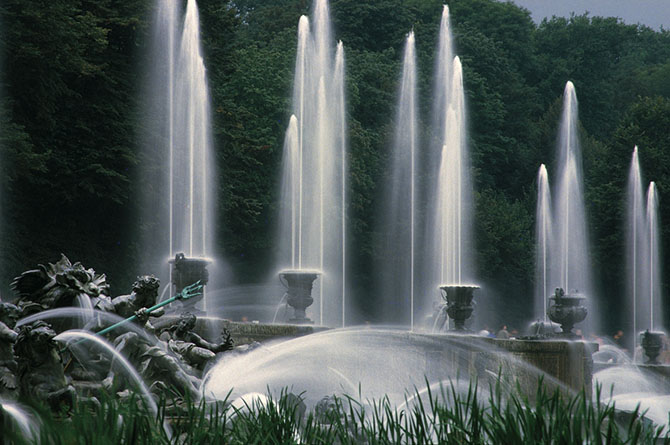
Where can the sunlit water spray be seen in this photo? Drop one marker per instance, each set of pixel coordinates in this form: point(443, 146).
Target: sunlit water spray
point(637, 244)
point(652, 223)
point(313, 221)
point(180, 124)
point(544, 240)
point(572, 270)
point(448, 195)
point(395, 273)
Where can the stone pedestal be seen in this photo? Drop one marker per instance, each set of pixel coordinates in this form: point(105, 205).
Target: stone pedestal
point(459, 303)
point(186, 271)
point(299, 285)
point(652, 343)
point(567, 310)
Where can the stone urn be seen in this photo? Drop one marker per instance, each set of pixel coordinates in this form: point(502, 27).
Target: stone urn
point(186, 271)
point(459, 303)
point(566, 310)
point(299, 285)
point(652, 343)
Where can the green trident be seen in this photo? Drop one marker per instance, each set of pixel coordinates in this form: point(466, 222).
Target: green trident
point(190, 291)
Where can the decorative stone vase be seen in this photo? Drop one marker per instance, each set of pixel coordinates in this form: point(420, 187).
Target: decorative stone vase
point(459, 303)
point(299, 292)
point(652, 343)
point(566, 310)
point(186, 271)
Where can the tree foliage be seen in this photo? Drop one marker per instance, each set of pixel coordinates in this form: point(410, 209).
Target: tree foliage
point(69, 124)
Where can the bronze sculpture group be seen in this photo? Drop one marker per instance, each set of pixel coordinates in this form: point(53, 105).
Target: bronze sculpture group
point(33, 366)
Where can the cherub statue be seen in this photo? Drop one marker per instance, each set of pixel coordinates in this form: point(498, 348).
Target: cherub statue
point(195, 350)
point(9, 314)
point(40, 370)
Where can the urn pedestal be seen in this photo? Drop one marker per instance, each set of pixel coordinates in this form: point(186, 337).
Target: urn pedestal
point(652, 343)
point(186, 271)
point(566, 310)
point(459, 303)
point(299, 292)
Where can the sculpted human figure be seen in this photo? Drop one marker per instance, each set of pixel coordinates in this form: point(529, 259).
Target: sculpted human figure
point(155, 365)
point(183, 340)
point(40, 370)
point(143, 296)
point(9, 314)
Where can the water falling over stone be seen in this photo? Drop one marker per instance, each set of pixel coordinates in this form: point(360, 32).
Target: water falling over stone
point(314, 190)
point(544, 243)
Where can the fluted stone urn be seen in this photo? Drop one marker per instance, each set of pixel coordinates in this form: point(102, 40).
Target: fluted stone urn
point(566, 310)
point(299, 285)
point(652, 343)
point(459, 303)
point(186, 271)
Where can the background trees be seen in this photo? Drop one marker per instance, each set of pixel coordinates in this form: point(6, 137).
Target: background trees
point(69, 124)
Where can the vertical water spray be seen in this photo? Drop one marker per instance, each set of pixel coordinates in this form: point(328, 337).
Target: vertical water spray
point(636, 244)
point(573, 271)
point(543, 237)
point(313, 171)
point(655, 314)
point(179, 95)
point(190, 179)
point(339, 89)
point(397, 218)
point(448, 243)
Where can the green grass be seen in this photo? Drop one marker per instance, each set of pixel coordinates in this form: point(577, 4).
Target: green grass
point(445, 416)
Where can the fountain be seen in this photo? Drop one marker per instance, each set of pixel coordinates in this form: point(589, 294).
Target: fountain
point(299, 285)
point(395, 269)
point(637, 245)
point(567, 310)
point(652, 224)
point(313, 221)
point(642, 246)
point(186, 271)
point(459, 303)
point(449, 240)
point(384, 362)
point(181, 117)
point(544, 239)
point(571, 269)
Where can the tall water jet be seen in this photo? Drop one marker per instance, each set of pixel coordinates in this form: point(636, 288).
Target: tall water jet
point(397, 226)
point(573, 269)
point(449, 195)
point(637, 246)
point(182, 128)
point(655, 296)
point(543, 239)
point(341, 108)
point(313, 206)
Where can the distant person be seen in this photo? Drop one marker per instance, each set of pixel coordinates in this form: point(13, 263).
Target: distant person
point(619, 339)
point(503, 333)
